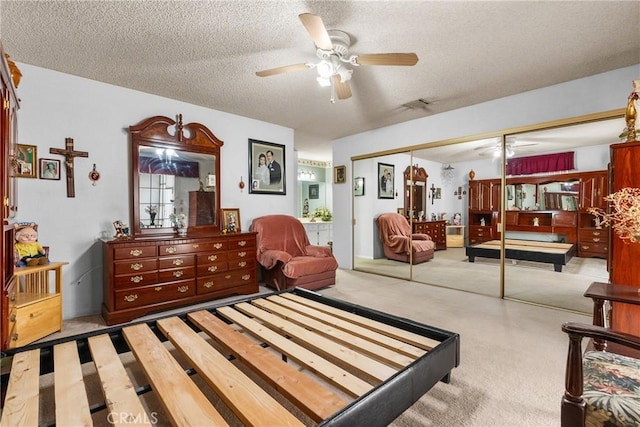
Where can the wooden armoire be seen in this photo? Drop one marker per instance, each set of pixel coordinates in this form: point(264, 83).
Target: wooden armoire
point(624, 265)
point(8, 139)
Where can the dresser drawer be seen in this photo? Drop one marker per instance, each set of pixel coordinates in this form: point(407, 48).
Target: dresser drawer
point(601, 248)
point(593, 235)
point(135, 252)
point(241, 243)
point(239, 254)
point(211, 257)
point(242, 263)
point(182, 248)
point(211, 268)
point(176, 262)
point(181, 273)
point(35, 320)
point(136, 280)
point(154, 294)
point(132, 266)
point(225, 280)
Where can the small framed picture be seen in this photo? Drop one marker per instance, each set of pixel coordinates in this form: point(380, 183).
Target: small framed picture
point(230, 220)
point(401, 211)
point(27, 158)
point(339, 174)
point(314, 191)
point(385, 181)
point(267, 168)
point(358, 186)
point(49, 169)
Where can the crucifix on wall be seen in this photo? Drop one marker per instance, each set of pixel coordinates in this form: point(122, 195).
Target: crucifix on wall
point(69, 154)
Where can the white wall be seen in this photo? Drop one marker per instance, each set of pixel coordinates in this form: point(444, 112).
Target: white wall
point(97, 116)
point(602, 92)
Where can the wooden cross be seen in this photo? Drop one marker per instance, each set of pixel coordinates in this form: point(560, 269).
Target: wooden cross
point(69, 153)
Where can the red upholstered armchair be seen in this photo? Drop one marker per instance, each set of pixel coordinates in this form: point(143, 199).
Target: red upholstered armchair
point(288, 259)
point(394, 230)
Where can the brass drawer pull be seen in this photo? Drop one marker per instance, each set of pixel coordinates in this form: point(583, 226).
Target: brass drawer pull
point(171, 250)
point(136, 266)
point(137, 279)
point(213, 268)
point(208, 285)
point(131, 298)
point(36, 314)
point(228, 276)
point(596, 233)
point(178, 261)
point(246, 277)
point(242, 242)
point(212, 257)
point(242, 254)
point(242, 264)
point(596, 239)
point(135, 252)
point(217, 245)
point(14, 337)
point(178, 273)
point(157, 288)
point(585, 247)
point(195, 246)
point(183, 289)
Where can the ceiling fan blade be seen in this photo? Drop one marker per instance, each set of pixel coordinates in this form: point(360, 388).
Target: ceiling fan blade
point(387, 59)
point(343, 90)
point(316, 29)
point(281, 70)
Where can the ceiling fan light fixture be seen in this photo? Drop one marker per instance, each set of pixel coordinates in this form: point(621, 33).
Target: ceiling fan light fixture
point(323, 81)
point(325, 69)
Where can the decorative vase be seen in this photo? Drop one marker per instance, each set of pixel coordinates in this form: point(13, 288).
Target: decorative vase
point(472, 174)
point(153, 218)
point(182, 231)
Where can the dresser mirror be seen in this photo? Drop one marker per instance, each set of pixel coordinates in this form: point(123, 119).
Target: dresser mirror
point(175, 175)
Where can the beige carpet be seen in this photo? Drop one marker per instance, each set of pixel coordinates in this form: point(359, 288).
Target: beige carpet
point(512, 354)
point(527, 281)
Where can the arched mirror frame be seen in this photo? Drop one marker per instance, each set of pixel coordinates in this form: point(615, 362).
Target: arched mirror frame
point(155, 132)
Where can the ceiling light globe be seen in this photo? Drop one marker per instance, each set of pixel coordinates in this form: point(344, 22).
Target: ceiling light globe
point(325, 69)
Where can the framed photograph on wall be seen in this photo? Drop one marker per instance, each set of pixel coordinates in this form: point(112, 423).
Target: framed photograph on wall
point(27, 158)
point(314, 191)
point(339, 174)
point(230, 219)
point(385, 181)
point(267, 168)
point(49, 169)
point(358, 186)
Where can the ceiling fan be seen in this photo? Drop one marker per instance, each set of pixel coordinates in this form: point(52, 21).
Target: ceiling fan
point(495, 149)
point(333, 52)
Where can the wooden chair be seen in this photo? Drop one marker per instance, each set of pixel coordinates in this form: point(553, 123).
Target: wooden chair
point(602, 388)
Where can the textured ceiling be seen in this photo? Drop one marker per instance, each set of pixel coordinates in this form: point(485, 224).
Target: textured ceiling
point(207, 52)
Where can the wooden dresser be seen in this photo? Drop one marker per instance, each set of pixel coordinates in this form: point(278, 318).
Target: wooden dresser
point(436, 229)
point(145, 275)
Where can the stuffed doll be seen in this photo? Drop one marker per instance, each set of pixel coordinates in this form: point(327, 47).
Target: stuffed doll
point(29, 251)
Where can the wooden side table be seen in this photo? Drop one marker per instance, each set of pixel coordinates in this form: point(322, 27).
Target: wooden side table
point(35, 303)
point(455, 236)
point(600, 292)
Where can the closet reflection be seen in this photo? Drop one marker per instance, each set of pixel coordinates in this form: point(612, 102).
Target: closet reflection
point(464, 183)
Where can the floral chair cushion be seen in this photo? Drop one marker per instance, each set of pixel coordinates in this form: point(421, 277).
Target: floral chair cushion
point(611, 389)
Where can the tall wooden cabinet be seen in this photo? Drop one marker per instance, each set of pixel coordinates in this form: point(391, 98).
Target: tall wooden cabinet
point(484, 210)
point(624, 268)
point(8, 136)
point(593, 241)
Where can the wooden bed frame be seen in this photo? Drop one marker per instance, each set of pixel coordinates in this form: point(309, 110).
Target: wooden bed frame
point(557, 254)
point(285, 358)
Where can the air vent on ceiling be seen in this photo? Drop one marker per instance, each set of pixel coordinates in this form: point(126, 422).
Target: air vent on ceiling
point(417, 104)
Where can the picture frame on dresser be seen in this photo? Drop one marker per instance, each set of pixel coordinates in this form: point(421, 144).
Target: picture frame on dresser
point(267, 168)
point(231, 219)
point(27, 161)
point(385, 181)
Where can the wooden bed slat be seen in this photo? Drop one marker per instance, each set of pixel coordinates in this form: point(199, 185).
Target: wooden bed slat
point(360, 331)
point(184, 402)
point(341, 378)
point(401, 334)
point(250, 403)
point(121, 399)
point(23, 391)
point(338, 353)
point(72, 405)
point(313, 399)
point(371, 349)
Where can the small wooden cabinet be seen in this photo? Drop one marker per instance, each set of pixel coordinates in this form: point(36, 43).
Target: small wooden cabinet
point(436, 229)
point(148, 275)
point(35, 303)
